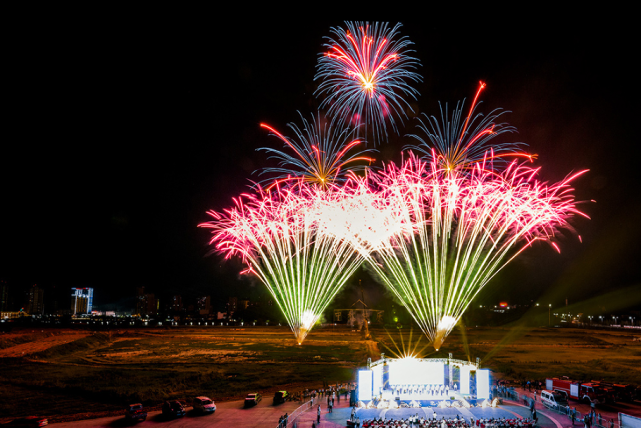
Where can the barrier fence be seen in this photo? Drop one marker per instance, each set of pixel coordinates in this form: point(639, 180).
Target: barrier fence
point(567, 411)
point(291, 419)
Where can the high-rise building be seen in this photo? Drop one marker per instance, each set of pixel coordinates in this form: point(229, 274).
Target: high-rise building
point(232, 305)
point(204, 305)
point(4, 296)
point(177, 303)
point(146, 303)
point(81, 300)
point(35, 301)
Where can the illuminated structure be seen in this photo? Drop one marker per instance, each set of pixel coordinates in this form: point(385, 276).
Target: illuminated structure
point(35, 301)
point(421, 381)
point(81, 300)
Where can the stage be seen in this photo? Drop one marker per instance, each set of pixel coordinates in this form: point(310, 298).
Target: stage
point(421, 382)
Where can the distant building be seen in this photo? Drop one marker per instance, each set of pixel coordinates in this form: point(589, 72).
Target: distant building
point(146, 303)
point(232, 306)
point(177, 303)
point(11, 315)
point(243, 304)
point(4, 296)
point(35, 301)
point(81, 300)
point(204, 305)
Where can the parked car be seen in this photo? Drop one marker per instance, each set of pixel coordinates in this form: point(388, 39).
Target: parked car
point(173, 409)
point(204, 405)
point(135, 412)
point(29, 421)
point(553, 399)
point(280, 397)
point(252, 399)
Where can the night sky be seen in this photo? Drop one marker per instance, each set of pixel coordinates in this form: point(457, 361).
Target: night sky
point(124, 133)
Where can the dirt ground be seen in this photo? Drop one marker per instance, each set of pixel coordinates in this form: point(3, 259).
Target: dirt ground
point(59, 373)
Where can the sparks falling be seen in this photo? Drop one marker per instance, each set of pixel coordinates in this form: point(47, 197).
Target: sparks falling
point(291, 246)
point(465, 229)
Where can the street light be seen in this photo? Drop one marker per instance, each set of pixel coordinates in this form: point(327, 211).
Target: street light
point(549, 310)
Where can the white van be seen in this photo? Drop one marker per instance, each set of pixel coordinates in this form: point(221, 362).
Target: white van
point(553, 399)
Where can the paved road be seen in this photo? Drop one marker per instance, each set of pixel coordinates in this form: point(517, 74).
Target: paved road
point(338, 418)
point(607, 411)
point(228, 414)
point(265, 415)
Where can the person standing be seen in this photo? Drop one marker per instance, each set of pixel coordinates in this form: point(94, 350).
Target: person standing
point(318, 414)
point(534, 415)
point(573, 416)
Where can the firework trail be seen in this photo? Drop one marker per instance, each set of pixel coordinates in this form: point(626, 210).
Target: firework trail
point(288, 238)
point(322, 153)
point(459, 142)
point(365, 73)
point(465, 228)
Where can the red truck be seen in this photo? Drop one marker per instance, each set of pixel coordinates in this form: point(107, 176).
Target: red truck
point(622, 392)
point(586, 392)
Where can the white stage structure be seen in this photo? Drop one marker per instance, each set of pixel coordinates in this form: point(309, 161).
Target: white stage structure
point(483, 384)
point(365, 385)
point(465, 379)
point(419, 379)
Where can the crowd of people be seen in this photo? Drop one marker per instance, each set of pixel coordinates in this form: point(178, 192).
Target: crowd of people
point(423, 390)
point(421, 422)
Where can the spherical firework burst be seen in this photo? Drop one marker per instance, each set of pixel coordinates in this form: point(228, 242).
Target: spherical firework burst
point(465, 228)
point(322, 153)
point(365, 74)
point(459, 142)
point(288, 242)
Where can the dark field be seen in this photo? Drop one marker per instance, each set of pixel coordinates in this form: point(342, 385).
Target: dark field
point(68, 372)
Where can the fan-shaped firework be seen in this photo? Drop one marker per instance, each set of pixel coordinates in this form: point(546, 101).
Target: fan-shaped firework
point(321, 153)
point(365, 74)
point(287, 238)
point(461, 142)
point(466, 227)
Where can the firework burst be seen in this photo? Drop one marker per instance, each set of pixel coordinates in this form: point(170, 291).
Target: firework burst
point(287, 238)
point(466, 227)
point(365, 73)
point(458, 142)
point(322, 154)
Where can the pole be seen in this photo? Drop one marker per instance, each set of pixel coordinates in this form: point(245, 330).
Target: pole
point(549, 311)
